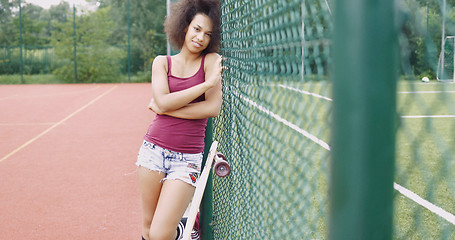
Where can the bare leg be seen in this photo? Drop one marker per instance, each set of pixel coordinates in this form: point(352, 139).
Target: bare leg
point(173, 201)
point(150, 187)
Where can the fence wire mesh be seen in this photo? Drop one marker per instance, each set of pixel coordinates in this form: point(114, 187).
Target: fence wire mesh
point(424, 180)
point(275, 122)
point(36, 60)
point(274, 126)
point(118, 37)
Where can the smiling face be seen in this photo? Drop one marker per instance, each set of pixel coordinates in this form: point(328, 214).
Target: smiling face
point(198, 34)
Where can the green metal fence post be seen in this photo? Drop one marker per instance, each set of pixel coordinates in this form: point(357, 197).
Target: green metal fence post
point(206, 209)
point(170, 50)
point(364, 99)
point(21, 41)
point(129, 40)
point(75, 43)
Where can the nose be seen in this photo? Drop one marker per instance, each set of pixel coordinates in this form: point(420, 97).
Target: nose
point(200, 36)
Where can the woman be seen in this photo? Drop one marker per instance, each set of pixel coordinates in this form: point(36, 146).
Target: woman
point(186, 90)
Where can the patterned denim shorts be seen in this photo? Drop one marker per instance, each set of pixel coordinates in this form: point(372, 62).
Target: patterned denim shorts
point(176, 165)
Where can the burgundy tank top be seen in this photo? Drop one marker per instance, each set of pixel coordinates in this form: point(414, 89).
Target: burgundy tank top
point(177, 134)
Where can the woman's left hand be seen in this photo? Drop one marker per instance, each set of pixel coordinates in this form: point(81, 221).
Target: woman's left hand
point(216, 72)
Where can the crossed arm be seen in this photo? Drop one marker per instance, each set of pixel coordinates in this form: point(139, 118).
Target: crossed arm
point(178, 104)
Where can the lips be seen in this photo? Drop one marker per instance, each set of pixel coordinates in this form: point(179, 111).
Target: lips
point(196, 44)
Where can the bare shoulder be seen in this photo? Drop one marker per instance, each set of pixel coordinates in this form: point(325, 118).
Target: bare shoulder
point(160, 62)
point(210, 59)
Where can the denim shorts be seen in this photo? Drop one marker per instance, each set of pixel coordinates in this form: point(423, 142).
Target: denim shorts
point(182, 166)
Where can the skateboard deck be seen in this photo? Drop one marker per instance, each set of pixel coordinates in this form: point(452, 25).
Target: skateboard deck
point(221, 168)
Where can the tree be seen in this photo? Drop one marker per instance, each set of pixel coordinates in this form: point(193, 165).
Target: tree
point(97, 61)
point(37, 23)
point(55, 15)
point(147, 32)
point(32, 28)
point(6, 16)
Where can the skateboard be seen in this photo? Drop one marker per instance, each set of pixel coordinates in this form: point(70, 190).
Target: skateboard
point(221, 169)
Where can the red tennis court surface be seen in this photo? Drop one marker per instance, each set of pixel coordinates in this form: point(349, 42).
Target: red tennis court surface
point(67, 158)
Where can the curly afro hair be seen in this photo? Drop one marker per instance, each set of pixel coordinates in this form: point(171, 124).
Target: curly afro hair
point(183, 12)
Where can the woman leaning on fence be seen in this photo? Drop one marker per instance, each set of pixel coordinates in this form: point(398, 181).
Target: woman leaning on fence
point(186, 91)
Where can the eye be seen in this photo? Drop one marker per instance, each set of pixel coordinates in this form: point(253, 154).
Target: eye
point(208, 35)
point(197, 29)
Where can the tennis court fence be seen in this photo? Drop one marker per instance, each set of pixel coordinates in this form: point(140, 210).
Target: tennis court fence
point(329, 130)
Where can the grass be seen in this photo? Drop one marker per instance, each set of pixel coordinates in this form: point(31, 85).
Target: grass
point(273, 164)
point(279, 177)
point(425, 160)
point(52, 79)
point(30, 79)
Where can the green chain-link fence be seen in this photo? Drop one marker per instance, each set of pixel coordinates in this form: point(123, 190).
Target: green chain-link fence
point(274, 124)
point(276, 119)
point(76, 45)
point(424, 179)
point(36, 60)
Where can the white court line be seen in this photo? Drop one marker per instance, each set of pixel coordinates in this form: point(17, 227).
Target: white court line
point(424, 203)
point(55, 125)
point(418, 92)
point(417, 116)
point(305, 92)
point(406, 192)
point(429, 116)
point(12, 96)
point(287, 123)
point(329, 99)
point(25, 124)
point(130, 173)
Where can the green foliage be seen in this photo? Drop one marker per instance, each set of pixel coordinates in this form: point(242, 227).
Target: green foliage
point(31, 31)
point(147, 34)
point(45, 28)
point(6, 15)
point(37, 60)
point(420, 24)
point(30, 79)
point(97, 61)
point(37, 23)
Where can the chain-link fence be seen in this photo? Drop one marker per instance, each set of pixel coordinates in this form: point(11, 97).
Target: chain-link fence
point(275, 126)
point(424, 179)
point(275, 123)
point(36, 60)
point(110, 43)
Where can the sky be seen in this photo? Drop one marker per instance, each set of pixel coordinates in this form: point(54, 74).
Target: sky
point(47, 3)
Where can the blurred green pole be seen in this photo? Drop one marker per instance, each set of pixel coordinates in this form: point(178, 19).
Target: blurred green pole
point(129, 40)
point(170, 51)
point(75, 43)
point(427, 37)
point(364, 114)
point(443, 36)
point(21, 41)
point(428, 16)
point(206, 209)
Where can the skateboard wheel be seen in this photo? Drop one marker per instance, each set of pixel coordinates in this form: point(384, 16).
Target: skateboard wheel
point(221, 168)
